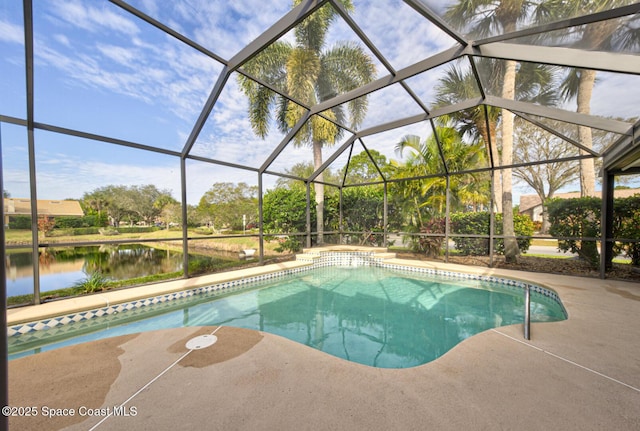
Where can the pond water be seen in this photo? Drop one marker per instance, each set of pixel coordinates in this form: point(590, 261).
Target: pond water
point(63, 267)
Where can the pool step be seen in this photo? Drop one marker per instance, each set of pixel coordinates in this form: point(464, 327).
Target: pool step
point(313, 255)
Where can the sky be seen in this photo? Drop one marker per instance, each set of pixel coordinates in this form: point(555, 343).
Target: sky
point(101, 70)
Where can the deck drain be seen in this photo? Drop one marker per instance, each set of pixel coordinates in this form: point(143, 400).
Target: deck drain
point(201, 342)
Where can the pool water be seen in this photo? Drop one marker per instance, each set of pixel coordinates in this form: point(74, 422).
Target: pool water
point(369, 315)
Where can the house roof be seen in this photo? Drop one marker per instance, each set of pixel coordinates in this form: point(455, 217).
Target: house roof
point(528, 202)
point(22, 206)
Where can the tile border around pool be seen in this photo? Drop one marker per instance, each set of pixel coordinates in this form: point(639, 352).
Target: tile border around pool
point(321, 259)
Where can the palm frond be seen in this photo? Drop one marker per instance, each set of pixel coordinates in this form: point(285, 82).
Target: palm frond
point(260, 101)
point(408, 141)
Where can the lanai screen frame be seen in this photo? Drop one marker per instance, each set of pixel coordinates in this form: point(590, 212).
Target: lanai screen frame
point(493, 47)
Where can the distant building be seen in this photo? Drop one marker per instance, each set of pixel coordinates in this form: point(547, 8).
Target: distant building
point(20, 206)
point(531, 205)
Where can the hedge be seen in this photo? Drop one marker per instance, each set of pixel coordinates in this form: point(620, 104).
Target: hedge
point(477, 223)
point(580, 218)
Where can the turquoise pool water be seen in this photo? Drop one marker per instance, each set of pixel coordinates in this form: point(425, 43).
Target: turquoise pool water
point(370, 315)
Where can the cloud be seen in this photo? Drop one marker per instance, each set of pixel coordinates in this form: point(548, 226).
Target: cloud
point(415, 39)
point(11, 33)
point(62, 176)
point(616, 95)
point(118, 54)
point(93, 19)
point(222, 26)
point(149, 67)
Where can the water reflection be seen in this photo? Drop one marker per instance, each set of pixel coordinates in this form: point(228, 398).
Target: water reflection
point(373, 316)
point(369, 315)
point(62, 267)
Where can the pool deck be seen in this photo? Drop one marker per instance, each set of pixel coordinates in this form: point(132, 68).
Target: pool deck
point(579, 374)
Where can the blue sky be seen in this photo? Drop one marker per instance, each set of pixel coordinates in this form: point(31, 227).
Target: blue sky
point(101, 70)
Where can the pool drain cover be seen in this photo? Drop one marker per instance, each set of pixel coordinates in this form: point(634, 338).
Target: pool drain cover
point(201, 342)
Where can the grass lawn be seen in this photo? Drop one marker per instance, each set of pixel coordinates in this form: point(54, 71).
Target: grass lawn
point(232, 244)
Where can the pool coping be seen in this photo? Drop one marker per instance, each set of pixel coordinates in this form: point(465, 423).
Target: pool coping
point(79, 309)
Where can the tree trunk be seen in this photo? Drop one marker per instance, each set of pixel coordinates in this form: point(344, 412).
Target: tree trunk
point(319, 189)
point(489, 137)
point(511, 250)
point(545, 213)
point(587, 168)
point(497, 191)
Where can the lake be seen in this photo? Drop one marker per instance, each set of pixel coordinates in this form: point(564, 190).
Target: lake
point(63, 267)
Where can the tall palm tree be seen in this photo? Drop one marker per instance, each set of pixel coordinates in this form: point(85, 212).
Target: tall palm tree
point(482, 17)
point(457, 85)
point(578, 83)
point(309, 72)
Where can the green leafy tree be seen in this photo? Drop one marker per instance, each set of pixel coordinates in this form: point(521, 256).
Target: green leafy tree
point(112, 199)
point(366, 167)
point(170, 209)
point(310, 72)
point(146, 201)
point(96, 203)
point(285, 210)
point(226, 203)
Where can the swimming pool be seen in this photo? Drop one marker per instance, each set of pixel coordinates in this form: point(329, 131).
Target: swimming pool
point(377, 316)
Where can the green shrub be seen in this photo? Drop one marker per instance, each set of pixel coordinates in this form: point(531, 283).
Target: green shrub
point(577, 218)
point(285, 210)
point(94, 282)
point(138, 229)
point(477, 223)
point(626, 225)
point(431, 245)
point(85, 231)
point(203, 230)
point(65, 222)
point(289, 243)
point(19, 222)
point(580, 218)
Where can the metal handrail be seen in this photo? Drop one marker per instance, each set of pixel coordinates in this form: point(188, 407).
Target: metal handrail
point(527, 312)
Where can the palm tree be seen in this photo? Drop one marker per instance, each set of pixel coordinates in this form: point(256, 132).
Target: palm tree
point(458, 85)
point(425, 160)
point(484, 17)
point(310, 73)
point(579, 83)
point(533, 84)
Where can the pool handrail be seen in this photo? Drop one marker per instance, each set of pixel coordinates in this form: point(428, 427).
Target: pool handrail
point(527, 312)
